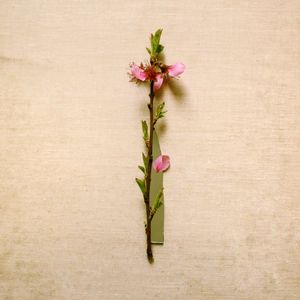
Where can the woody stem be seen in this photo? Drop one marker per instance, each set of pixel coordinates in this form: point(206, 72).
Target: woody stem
point(148, 177)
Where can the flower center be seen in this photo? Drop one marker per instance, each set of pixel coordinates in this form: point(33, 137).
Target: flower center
point(151, 72)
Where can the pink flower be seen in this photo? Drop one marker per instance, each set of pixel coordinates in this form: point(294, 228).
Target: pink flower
point(161, 163)
point(176, 69)
point(159, 79)
point(138, 72)
point(150, 72)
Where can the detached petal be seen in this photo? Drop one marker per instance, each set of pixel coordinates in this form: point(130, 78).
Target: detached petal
point(138, 72)
point(176, 69)
point(161, 163)
point(158, 82)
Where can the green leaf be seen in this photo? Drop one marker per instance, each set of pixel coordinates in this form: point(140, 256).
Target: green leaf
point(142, 169)
point(157, 203)
point(146, 160)
point(156, 48)
point(148, 50)
point(145, 130)
point(157, 35)
point(153, 42)
point(160, 112)
point(160, 108)
point(159, 49)
point(141, 184)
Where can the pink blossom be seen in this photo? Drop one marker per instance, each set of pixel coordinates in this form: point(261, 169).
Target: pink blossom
point(149, 72)
point(161, 163)
point(138, 72)
point(176, 69)
point(159, 79)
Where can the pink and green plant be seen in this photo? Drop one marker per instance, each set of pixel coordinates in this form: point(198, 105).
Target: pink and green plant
point(156, 73)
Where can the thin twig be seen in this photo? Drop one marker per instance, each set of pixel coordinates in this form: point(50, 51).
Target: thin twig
point(148, 175)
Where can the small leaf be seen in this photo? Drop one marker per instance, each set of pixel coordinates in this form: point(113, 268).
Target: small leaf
point(148, 50)
point(141, 184)
point(157, 35)
point(156, 48)
point(157, 203)
point(159, 49)
point(160, 107)
point(146, 160)
point(142, 169)
point(160, 113)
point(153, 43)
point(145, 130)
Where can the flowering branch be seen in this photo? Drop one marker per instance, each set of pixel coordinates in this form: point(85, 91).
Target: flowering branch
point(156, 73)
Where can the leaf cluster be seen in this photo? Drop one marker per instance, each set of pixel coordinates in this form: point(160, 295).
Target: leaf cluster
point(160, 112)
point(142, 182)
point(156, 47)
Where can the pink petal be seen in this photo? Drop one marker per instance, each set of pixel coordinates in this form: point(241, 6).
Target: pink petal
point(138, 72)
point(161, 163)
point(159, 81)
point(176, 69)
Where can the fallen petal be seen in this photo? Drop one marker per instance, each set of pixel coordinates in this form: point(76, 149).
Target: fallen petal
point(161, 163)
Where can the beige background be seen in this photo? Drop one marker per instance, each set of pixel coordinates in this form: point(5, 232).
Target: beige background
point(71, 223)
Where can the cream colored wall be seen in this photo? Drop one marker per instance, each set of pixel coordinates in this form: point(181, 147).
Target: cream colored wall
point(71, 223)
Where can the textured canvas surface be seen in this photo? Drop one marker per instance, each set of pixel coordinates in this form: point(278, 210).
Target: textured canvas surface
point(71, 223)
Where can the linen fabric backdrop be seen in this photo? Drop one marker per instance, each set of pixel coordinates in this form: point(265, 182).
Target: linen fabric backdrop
point(72, 217)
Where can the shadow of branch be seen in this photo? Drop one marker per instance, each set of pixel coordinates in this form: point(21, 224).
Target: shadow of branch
point(177, 89)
